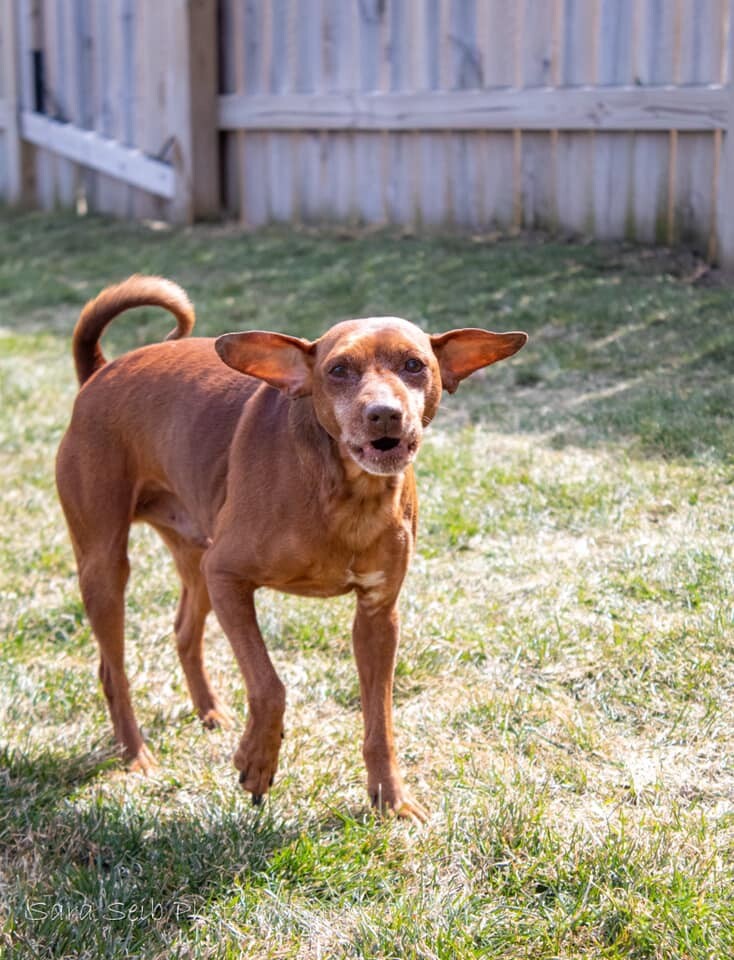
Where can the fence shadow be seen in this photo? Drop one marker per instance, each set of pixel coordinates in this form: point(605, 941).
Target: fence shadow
point(138, 869)
point(627, 345)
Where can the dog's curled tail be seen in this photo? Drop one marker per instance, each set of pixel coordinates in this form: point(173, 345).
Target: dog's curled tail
point(136, 291)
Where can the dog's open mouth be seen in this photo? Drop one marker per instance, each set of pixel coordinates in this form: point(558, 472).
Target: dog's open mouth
point(385, 455)
point(385, 443)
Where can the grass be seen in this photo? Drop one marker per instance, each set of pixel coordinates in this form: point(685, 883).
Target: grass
point(564, 693)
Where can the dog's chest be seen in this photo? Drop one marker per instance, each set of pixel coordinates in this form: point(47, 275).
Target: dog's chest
point(327, 573)
point(329, 566)
point(342, 535)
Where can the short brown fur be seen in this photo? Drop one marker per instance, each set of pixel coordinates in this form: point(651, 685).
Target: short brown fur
point(262, 461)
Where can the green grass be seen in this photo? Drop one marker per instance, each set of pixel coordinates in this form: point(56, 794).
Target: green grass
point(564, 693)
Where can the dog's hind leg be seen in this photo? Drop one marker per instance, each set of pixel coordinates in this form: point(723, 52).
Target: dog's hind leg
point(103, 575)
point(193, 608)
point(98, 514)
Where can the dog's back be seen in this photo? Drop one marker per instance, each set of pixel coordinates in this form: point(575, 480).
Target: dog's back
point(163, 413)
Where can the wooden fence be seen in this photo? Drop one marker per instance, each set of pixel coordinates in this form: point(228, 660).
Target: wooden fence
point(597, 117)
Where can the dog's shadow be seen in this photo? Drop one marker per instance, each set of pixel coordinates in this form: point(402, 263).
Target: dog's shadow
point(157, 863)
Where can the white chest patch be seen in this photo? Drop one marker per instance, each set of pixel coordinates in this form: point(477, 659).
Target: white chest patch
point(372, 583)
point(372, 580)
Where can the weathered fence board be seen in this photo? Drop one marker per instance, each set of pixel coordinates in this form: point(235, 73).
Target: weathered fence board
point(11, 185)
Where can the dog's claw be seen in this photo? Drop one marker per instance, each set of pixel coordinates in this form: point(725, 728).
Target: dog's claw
point(257, 799)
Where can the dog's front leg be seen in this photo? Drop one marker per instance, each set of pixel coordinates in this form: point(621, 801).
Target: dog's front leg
point(375, 637)
point(257, 755)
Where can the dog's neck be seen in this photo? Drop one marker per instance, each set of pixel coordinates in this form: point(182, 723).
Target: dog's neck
point(355, 506)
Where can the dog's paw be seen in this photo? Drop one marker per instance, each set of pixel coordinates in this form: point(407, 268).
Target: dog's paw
point(398, 802)
point(257, 761)
point(257, 781)
point(410, 809)
point(216, 718)
point(143, 762)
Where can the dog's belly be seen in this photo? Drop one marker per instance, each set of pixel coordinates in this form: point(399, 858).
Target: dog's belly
point(310, 588)
point(165, 511)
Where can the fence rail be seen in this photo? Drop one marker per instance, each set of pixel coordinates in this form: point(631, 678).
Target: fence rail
point(601, 117)
point(685, 109)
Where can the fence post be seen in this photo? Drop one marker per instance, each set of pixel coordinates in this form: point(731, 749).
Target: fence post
point(190, 47)
point(725, 200)
point(28, 37)
point(204, 83)
point(9, 86)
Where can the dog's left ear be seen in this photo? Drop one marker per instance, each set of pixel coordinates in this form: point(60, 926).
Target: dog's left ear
point(282, 361)
point(461, 352)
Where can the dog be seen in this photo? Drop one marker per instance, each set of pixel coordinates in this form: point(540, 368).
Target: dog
point(262, 460)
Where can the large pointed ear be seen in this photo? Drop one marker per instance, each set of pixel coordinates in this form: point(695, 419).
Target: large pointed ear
point(461, 352)
point(282, 361)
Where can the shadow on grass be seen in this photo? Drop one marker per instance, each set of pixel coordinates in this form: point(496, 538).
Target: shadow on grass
point(627, 345)
point(98, 870)
point(30, 784)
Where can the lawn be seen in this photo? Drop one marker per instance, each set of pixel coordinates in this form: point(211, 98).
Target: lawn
point(565, 686)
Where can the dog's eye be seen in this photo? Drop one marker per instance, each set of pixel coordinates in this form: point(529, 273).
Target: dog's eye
point(339, 370)
point(414, 365)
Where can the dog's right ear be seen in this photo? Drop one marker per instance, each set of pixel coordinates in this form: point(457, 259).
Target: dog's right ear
point(282, 361)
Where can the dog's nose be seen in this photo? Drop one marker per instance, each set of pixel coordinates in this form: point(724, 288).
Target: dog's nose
point(384, 416)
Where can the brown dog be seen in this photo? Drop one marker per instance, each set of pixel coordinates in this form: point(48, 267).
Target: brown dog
point(288, 466)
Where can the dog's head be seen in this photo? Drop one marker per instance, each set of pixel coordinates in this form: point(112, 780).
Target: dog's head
point(375, 383)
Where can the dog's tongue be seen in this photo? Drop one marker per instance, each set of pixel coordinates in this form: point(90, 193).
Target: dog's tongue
point(385, 443)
